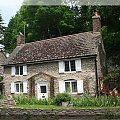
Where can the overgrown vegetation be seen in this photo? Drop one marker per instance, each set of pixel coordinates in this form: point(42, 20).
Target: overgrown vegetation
point(83, 101)
point(114, 74)
point(23, 100)
point(100, 101)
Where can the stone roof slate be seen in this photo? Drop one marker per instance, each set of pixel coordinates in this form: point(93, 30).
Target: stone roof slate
point(70, 46)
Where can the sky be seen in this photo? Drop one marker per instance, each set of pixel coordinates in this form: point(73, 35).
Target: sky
point(8, 8)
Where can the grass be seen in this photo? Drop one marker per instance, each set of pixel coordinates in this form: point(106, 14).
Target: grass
point(59, 107)
point(41, 106)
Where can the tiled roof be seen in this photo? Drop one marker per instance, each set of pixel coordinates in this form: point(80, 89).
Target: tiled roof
point(2, 57)
point(70, 46)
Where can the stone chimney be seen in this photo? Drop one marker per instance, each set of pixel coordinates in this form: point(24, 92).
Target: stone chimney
point(96, 21)
point(20, 39)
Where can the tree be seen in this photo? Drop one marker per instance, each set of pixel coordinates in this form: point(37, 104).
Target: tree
point(52, 21)
point(1, 28)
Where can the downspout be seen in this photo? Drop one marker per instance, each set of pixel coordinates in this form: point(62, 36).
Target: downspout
point(96, 74)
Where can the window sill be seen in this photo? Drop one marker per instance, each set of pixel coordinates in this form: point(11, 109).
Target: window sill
point(70, 72)
point(18, 92)
point(75, 93)
point(17, 75)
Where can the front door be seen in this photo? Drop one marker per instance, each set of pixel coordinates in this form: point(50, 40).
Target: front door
point(42, 90)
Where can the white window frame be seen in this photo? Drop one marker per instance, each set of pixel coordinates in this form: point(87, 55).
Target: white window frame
point(19, 70)
point(13, 87)
point(69, 61)
point(19, 87)
point(24, 69)
point(77, 66)
point(70, 81)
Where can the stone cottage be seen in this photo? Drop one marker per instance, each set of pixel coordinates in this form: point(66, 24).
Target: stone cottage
point(72, 63)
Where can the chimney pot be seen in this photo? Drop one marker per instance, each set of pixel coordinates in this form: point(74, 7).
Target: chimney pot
point(20, 39)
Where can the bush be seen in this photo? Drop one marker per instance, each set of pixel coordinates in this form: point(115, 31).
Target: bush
point(62, 97)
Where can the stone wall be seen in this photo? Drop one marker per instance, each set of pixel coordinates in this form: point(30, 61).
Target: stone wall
point(87, 74)
point(61, 112)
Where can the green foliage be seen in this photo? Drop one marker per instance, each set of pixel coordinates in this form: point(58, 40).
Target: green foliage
point(62, 97)
point(114, 74)
point(2, 28)
point(52, 21)
point(24, 100)
point(100, 101)
point(82, 101)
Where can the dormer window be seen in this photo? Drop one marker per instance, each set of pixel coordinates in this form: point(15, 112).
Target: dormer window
point(19, 70)
point(69, 66)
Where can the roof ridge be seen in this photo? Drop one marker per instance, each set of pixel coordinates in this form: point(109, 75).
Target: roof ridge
point(49, 39)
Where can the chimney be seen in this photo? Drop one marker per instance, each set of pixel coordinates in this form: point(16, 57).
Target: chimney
point(20, 39)
point(96, 21)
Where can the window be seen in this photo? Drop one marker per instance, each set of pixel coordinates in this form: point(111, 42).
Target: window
point(19, 70)
point(19, 87)
point(70, 65)
point(43, 89)
point(71, 86)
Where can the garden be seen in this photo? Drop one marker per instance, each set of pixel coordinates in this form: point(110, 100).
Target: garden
point(75, 102)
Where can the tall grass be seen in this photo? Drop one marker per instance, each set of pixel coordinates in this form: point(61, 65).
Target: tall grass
point(82, 101)
point(23, 100)
point(100, 101)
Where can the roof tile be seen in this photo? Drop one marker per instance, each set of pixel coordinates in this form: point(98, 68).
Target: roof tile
point(76, 45)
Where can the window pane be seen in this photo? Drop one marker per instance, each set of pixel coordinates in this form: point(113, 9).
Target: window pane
point(21, 70)
point(67, 86)
point(17, 70)
point(21, 87)
point(72, 64)
point(67, 66)
point(17, 88)
point(74, 86)
point(43, 89)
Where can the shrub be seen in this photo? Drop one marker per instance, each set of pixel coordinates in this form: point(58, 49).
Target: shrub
point(62, 97)
point(114, 74)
